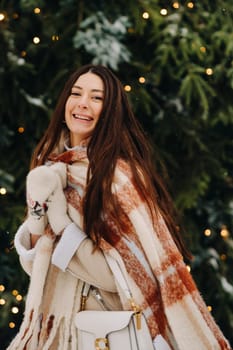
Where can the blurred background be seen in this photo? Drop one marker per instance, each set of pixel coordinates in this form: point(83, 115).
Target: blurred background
point(175, 60)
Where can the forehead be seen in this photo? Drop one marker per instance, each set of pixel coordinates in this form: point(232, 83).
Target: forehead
point(89, 81)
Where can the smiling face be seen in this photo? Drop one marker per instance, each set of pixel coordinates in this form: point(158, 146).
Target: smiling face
point(83, 107)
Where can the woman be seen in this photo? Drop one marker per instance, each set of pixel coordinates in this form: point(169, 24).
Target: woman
point(115, 203)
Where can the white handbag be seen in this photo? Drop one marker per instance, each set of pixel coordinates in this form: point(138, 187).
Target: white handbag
point(113, 330)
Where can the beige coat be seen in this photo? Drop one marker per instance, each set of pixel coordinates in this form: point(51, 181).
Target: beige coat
point(86, 265)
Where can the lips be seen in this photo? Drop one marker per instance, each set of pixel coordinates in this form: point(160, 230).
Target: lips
point(82, 117)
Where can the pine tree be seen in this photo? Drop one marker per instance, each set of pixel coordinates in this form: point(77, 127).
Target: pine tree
point(175, 60)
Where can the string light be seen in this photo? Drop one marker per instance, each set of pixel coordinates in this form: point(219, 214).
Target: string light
point(203, 49)
point(23, 53)
point(224, 233)
point(190, 5)
point(188, 268)
point(163, 12)
point(223, 257)
point(21, 129)
point(14, 292)
point(145, 15)
point(3, 191)
point(209, 308)
point(209, 71)
point(36, 40)
point(11, 325)
point(176, 5)
point(2, 288)
point(2, 16)
point(141, 80)
point(37, 10)
point(127, 88)
point(207, 232)
point(55, 37)
point(2, 301)
point(14, 310)
point(19, 297)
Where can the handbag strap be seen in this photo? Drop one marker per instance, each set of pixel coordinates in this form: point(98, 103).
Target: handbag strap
point(119, 275)
point(121, 279)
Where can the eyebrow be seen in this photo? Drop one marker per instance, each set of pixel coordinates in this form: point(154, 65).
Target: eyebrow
point(94, 90)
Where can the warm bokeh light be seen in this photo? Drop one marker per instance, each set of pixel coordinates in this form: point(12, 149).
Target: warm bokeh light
point(14, 292)
point(203, 49)
point(21, 129)
point(209, 71)
point(127, 88)
point(190, 5)
point(37, 10)
point(2, 288)
point(14, 310)
point(36, 40)
point(142, 80)
point(2, 16)
point(55, 38)
point(224, 232)
point(176, 5)
point(207, 232)
point(145, 15)
point(3, 191)
point(19, 297)
point(163, 12)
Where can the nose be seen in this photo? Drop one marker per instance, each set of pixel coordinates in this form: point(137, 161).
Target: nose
point(83, 102)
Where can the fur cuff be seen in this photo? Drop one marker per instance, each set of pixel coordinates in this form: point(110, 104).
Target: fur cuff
point(70, 241)
point(22, 243)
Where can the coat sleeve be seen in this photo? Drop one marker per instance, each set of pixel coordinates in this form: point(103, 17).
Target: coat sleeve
point(22, 244)
point(76, 254)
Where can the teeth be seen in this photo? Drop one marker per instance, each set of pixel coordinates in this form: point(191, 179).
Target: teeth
point(77, 116)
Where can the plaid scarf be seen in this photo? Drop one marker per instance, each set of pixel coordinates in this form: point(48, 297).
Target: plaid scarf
point(164, 288)
point(157, 275)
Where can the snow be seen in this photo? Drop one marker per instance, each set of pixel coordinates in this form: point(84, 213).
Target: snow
point(15, 59)
point(227, 287)
point(102, 39)
point(35, 101)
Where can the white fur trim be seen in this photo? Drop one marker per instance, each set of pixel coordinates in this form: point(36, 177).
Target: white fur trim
point(22, 243)
point(70, 241)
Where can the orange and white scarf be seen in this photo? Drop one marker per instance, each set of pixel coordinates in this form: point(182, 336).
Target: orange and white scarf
point(158, 277)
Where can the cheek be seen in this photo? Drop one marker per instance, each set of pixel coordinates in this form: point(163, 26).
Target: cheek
point(68, 107)
point(68, 103)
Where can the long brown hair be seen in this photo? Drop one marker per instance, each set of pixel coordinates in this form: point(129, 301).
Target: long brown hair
point(117, 135)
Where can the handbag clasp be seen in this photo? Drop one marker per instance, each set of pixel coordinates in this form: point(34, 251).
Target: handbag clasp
point(137, 313)
point(101, 344)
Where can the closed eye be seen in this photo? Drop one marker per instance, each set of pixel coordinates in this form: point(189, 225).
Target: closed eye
point(99, 98)
point(75, 93)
